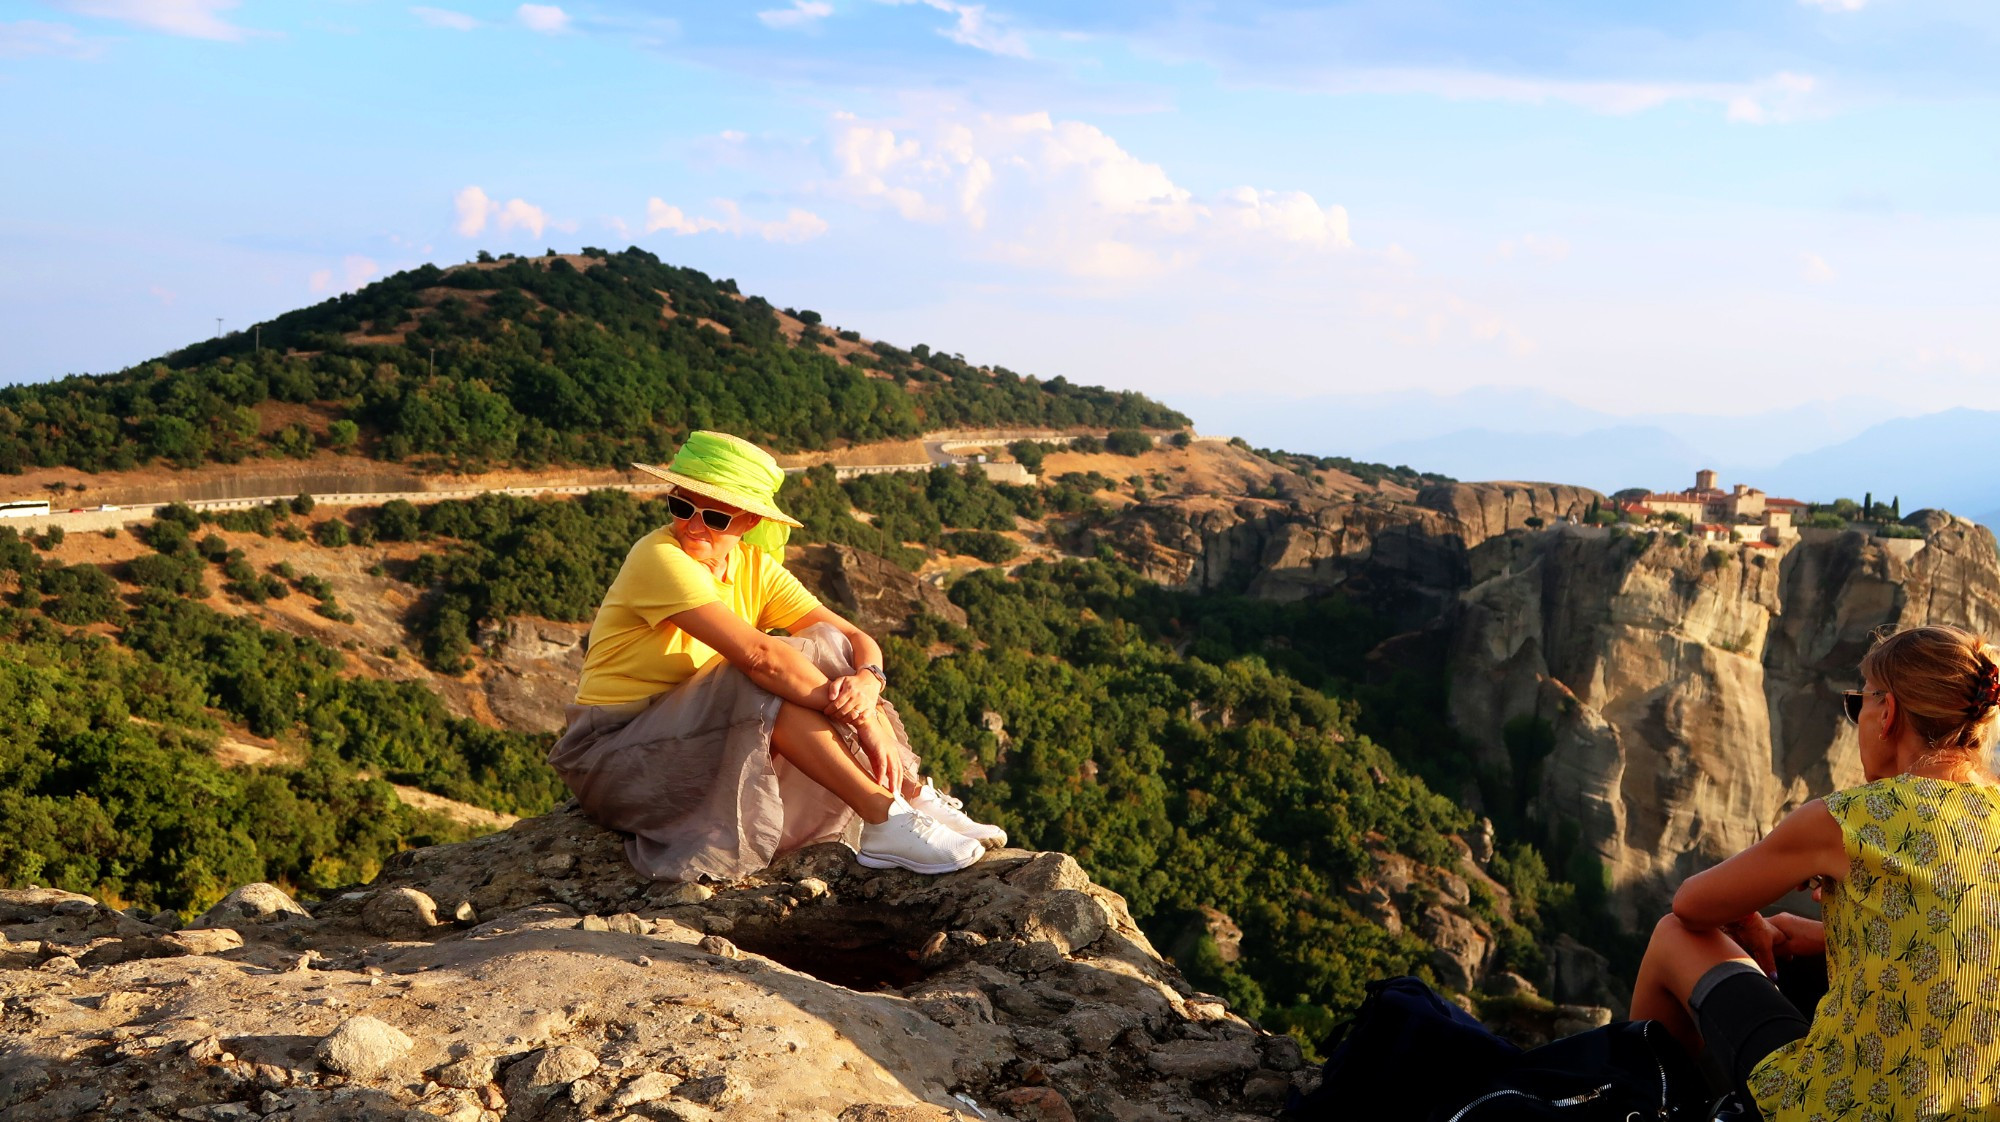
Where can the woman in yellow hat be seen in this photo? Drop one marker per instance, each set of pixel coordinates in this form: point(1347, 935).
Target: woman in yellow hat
point(716, 745)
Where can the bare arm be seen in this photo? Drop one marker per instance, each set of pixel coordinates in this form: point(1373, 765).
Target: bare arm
point(854, 697)
point(1806, 844)
point(776, 666)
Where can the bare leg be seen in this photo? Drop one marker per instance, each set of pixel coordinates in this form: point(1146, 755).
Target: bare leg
point(879, 741)
point(807, 740)
point(1676, 958)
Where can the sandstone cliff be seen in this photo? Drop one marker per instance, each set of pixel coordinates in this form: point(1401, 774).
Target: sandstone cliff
point(1410, 558)
point(1692, 689)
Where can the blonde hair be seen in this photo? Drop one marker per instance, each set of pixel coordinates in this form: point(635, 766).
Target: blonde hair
point(1946, 682)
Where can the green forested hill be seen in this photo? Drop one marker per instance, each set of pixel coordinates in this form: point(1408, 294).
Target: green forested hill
point(530, 361)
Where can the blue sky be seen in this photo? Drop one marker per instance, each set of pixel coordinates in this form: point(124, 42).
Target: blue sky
point(1686, 207)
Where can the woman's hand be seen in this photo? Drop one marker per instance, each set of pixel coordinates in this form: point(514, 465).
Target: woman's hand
point(1802, 936)
point(852, 698)
point(1762, 939)
point(1769, 939)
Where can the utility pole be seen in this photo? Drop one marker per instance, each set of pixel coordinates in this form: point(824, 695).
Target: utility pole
point(218, 327)
point(434, 362)
point(259, 329)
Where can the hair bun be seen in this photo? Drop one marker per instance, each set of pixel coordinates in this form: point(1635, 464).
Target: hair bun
point(1986, 693)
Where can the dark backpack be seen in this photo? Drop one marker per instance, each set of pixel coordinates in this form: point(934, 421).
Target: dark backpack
point(1410, 1054)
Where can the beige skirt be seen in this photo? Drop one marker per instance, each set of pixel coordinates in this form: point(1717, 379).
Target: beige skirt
point(690, 778)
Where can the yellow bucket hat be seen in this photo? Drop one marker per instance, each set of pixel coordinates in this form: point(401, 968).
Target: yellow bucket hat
point(732, 470)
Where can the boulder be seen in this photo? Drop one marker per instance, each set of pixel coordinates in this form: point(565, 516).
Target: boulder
point(362, 1046)
point(252, 906)
point(399, 913)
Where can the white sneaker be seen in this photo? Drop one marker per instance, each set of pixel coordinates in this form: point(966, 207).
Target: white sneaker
point(949, 813)
point(914, 841)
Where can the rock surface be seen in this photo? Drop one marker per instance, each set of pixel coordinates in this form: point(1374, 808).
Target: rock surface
point(818, 990)
point(1691, 689)
point(870, 590)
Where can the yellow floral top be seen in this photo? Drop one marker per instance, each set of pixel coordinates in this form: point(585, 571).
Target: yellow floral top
point(1909, 1030)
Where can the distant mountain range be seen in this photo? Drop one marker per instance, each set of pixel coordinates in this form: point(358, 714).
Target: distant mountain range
point(1816, 451)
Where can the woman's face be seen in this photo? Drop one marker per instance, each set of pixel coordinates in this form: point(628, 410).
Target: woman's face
point(700, 541)
point(1878, 751)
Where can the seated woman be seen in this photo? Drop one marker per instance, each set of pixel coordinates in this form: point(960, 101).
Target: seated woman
point(1908, 872)
point(718, 746)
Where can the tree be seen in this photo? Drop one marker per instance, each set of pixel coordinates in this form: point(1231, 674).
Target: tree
point(1127, 442)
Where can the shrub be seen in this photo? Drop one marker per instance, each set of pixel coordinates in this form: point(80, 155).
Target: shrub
point(398, 521)
point(1127, 442)
point(332, 532)
point(1029, 454)
point(984, 544)
point(179, 572)
point(81, 594)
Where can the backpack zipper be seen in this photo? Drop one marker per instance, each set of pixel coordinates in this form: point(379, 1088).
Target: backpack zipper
point(1646, 1034)
point(1469, 1107)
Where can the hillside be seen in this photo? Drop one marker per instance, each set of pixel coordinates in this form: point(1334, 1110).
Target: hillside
point(433, 646)
point(588, 359)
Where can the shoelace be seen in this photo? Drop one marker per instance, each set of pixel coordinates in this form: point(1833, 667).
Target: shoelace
point(949, 802)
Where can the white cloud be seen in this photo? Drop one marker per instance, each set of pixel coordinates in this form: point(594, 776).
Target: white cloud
point(1777, 99)
point(166, 296)
point(1815, 270)
point(1547, 247)
point(1049, 193)
point(1836, 5)
point(545, 18)
point(1958, 358)
point(973, 27)
point(445, 18)
point(802, 14)
point(1781, 97)
point(476, 209)
point(196, 19)
point(355, 271)
point(797, 226)
point(1433, 319)
point(31, 37)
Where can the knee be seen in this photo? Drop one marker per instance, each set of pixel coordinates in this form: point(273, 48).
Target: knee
point(1669, 929)
point(829, 648)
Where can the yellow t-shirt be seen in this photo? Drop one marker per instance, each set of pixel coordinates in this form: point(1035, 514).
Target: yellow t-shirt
point(1909, 1029)
point(633, 657)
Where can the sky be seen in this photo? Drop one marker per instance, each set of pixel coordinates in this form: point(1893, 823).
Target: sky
point(1685, 206)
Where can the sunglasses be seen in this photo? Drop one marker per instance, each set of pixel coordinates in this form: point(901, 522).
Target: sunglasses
point(1851, 701)
point(717, 520)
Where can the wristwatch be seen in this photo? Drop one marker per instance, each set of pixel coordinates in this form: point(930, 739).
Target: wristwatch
point(879, 675)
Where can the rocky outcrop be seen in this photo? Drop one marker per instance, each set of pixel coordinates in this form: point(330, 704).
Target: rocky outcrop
point(1408, 559)
point(1691, 689)
point(531, 975)
point(868, 589)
